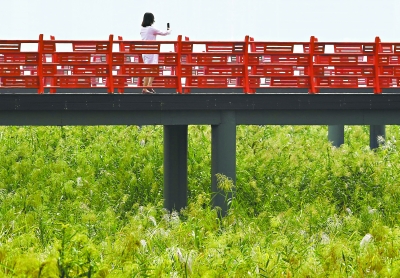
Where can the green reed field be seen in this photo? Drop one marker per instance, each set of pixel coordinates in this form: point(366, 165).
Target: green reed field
point(88, 202)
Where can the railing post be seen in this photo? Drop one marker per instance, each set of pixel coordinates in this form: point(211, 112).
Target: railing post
point(312, 89)
point(53, 60)
point(253, 68)
point(40, 65)
point(188, 60)
point(179, 65)
point(121, 48)
point(377, 87)
point(110, 66)
point(246, 84)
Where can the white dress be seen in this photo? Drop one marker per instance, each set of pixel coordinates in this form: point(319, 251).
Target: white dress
point(149, 33)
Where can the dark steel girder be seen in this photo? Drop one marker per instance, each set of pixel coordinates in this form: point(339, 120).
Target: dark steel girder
point(173, 109)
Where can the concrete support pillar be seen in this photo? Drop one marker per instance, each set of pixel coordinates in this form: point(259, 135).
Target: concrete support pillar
point(376, 131)
point(175, 166)
point(223, 157)
point(336, 135)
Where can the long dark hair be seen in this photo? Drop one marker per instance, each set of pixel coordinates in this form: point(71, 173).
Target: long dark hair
point(148, 19)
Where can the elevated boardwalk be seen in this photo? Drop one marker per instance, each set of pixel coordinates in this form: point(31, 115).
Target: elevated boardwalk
point(222, 84)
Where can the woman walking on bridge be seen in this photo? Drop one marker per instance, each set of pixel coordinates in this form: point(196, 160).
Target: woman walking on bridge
point(149, 33)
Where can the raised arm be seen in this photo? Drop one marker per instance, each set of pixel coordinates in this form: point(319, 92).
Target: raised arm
point(161, 33)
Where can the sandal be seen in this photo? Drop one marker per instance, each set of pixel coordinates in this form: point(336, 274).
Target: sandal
point(151, 90)
point(147, 92)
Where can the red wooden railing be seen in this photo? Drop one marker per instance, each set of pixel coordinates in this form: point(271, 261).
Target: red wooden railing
point(183, 64)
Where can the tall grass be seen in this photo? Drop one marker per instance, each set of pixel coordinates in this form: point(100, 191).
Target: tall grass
point(87, 201)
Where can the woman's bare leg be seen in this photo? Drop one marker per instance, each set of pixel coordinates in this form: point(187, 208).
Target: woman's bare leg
point(145, 85)
point(150, 82)
point(146, 82)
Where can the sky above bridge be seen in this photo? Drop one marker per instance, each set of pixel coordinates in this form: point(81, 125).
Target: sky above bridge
point(267, 20)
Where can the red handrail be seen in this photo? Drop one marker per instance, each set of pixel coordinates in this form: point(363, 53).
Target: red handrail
point(249, 65)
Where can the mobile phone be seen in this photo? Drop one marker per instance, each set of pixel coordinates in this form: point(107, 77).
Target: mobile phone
point(167, 25)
